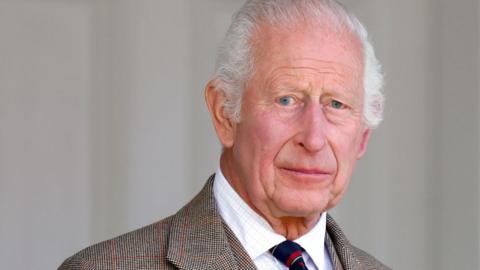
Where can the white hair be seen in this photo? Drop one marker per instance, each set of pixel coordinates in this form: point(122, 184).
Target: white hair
point(235, 61)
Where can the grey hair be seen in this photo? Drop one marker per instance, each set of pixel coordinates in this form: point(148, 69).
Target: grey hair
point(235, 60)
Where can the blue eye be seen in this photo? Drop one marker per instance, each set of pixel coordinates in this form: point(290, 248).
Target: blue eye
point(285, 101)
point(336, 104)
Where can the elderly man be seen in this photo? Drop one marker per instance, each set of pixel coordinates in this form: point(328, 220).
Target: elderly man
point(294, 98)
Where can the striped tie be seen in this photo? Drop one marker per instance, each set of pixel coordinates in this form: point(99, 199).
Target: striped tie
point(290, 254)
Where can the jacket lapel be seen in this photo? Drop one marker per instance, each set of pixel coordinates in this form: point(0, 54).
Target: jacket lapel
point(340, 249)
point(337, 264)
point(244, 261)
point(200, 240)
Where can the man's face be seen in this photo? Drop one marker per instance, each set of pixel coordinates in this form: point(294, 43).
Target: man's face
point(301, 129)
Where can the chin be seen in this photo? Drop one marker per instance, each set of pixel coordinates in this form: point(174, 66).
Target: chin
point(301, 208)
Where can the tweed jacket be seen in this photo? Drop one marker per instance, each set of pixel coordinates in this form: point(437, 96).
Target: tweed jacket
point(197, 238)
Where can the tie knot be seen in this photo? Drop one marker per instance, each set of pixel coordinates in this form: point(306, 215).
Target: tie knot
point(290, 254)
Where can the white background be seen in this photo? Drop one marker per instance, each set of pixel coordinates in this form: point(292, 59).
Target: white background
point(103, 127)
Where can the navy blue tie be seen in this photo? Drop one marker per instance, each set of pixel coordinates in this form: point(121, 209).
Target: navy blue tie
point(290, 254)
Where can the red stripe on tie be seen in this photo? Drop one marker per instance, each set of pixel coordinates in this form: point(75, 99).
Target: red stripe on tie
point(293, 256)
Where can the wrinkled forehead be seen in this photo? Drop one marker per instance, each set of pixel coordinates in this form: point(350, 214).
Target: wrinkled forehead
point(302, 44)
point(305, 39)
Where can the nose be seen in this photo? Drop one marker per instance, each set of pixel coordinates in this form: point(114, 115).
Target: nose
point(312, 127)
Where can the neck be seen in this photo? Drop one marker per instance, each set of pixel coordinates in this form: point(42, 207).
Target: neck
point(293, 227)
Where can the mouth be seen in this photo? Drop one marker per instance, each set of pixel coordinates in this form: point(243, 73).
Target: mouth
point(308, 172)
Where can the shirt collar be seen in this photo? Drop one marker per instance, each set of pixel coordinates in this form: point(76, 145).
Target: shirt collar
point(254, 232)
point(314, 241)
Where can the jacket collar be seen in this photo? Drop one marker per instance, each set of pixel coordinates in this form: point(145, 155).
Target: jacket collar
point(200, 240)
point(341, 251)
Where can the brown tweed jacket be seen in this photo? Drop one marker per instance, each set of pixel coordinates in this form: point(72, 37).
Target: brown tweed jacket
point(197, 238)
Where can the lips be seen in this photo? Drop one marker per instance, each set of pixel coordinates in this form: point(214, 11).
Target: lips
point(308, 171)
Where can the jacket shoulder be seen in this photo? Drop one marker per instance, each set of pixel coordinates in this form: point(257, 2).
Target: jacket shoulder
point(368, 261)
point(137, 249)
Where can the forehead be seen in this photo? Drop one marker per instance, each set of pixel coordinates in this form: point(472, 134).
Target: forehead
point(307, 46)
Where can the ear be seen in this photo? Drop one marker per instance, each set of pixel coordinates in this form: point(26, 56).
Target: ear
point(224, 126)
point(364, 142)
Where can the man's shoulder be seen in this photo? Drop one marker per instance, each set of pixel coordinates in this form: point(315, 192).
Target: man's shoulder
point(132, 250)
point(148, 247)
point(368, 261)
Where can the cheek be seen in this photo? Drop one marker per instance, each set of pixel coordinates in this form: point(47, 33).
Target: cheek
point(269, 133)
point(346, 141)
point(262, 140)
point(345, 148)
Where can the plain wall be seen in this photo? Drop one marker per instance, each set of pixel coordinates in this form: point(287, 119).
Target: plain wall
point(103, 127)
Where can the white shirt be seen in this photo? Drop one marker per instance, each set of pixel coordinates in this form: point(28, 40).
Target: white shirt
point(257, 236)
